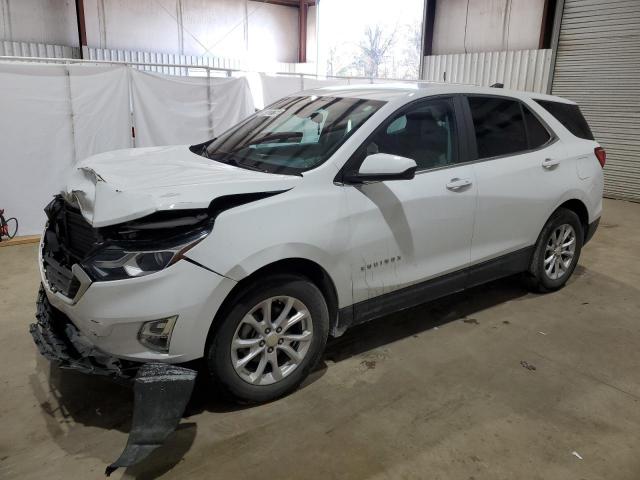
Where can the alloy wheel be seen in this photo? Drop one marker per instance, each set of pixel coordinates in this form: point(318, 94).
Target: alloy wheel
point(272, 340)
point(559, 251)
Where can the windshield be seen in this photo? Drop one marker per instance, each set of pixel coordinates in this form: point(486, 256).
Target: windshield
point(293, 135)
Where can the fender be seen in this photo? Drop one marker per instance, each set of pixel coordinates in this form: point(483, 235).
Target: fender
point(338, 270)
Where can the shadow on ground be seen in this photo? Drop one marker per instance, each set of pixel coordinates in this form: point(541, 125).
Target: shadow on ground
point(82, 400)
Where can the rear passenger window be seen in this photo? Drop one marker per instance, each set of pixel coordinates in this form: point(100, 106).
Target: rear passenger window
point(499, 126)
point(537, 133)
point(569, 116)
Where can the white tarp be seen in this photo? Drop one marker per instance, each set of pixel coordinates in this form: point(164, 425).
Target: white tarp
point(275, 87)
point(101, 113)
point(176, 110)
point(35, 138)
point(52, 116)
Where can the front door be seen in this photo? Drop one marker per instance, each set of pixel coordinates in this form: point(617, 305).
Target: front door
point(407, 231)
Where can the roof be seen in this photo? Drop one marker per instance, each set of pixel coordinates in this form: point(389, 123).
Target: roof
point(397, 92)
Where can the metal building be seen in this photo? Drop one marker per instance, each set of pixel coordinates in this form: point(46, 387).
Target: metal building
point(598, 66)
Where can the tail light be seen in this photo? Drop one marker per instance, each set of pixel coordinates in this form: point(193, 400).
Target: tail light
point(601, 155)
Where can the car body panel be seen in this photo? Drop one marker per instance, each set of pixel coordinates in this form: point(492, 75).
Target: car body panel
point(404, 232)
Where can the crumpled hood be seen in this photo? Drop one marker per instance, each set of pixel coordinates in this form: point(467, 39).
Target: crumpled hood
point(123, 185)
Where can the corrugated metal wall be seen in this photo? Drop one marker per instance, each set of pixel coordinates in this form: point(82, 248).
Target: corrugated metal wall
point(598, 66)
point(169, 58)
point(518, 70)
point(41, 50)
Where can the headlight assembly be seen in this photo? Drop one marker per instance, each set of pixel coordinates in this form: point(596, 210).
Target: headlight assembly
point(116, 262)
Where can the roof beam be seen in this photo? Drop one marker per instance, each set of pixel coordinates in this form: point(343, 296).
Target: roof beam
point(288, 3)
point(303, 8)
point(82, 29)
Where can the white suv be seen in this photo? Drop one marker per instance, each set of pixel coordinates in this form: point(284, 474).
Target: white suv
point(325, 210)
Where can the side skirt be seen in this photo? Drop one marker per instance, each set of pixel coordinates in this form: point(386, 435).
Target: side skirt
point(432, 289)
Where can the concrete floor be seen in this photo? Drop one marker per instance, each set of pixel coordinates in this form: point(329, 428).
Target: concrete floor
point(438, 392)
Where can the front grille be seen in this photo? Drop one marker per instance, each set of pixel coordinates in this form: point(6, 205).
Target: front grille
point(60, 277)
point(67, 241)
point(77, 234)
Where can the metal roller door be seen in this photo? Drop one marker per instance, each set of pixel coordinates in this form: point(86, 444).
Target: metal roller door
point(598, 66)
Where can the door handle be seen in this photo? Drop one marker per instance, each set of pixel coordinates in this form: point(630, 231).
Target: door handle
point(456, 184)
point(550, 162)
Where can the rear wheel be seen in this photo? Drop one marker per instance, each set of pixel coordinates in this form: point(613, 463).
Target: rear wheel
point(557, 251)
point(272, 337)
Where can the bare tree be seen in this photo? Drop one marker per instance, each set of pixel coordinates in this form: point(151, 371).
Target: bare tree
point(332, 60)
point(373, 49)
point(412, 51)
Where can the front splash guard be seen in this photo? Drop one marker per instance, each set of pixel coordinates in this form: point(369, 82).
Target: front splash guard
point(161, 393)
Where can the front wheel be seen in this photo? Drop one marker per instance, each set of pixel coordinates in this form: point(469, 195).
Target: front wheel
point(271, 338)
point(557, 251)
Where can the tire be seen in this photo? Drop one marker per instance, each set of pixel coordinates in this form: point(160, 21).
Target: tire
point(244, 321)
point(546, 275)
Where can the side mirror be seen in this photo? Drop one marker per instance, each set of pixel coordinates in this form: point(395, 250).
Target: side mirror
point(379, 167)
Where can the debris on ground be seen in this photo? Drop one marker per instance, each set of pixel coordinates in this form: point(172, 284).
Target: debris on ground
point(542, 333)
point(471, 320)
point(576, 454)
point(527, 365)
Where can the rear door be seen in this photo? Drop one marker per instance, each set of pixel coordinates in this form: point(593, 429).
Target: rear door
point(519, 171)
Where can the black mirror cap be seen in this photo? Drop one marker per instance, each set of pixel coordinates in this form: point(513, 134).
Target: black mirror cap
point(359, 178)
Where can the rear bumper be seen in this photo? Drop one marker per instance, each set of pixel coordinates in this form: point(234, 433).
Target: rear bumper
point(591, 230)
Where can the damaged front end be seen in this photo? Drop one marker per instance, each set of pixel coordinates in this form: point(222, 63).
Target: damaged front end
point(71, 252)
point(161, 391)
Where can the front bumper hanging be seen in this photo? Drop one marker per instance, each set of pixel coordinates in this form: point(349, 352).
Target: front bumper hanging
point(161, 391)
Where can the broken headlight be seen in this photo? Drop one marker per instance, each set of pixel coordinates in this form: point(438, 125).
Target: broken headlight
point(116, 262)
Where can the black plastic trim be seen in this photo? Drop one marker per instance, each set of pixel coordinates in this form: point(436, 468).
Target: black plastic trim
point(352, 178)
point(433, 289)
point(591, 230)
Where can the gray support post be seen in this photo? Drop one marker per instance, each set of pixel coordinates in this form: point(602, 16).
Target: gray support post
point(210, 103)
point(73, 127)
point(555, 39)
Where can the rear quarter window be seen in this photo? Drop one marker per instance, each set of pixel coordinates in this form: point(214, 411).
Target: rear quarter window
point(569, 116)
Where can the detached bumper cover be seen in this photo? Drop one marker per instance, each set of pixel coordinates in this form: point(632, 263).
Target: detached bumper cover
point(161, 391)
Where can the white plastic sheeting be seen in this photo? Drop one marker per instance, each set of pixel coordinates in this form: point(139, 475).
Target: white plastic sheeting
point(36, 136)
point(172, 110)
point(100, 107)
point(52, 116)
point(275, 87)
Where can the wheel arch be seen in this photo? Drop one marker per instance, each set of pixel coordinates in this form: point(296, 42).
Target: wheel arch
point(302, 267)
point(580, 209)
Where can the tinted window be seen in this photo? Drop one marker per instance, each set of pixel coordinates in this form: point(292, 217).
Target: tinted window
point(569, 116)
point(424, 133)
point(538, 134)
point(292, 135)
point(499, 126)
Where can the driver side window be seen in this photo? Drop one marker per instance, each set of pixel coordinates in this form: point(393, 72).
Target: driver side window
point(425, 133)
